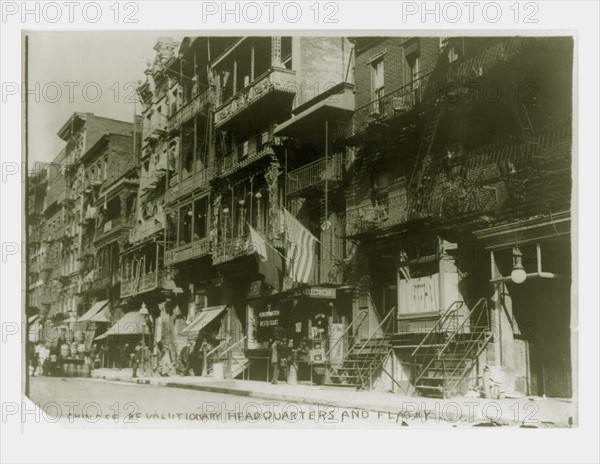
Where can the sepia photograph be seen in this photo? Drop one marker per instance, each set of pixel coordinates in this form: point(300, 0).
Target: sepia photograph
point(367, 223)
point(299, 232)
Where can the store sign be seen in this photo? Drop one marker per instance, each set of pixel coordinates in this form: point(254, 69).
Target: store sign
point(320, 292)
point(268, 313)
point(269, 323)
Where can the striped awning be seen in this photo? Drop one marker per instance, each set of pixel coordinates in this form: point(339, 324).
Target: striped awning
point(206, 316)
point(93, 311)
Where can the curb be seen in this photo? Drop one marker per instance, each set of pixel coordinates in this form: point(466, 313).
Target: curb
point(396, 410)
point(290, 398)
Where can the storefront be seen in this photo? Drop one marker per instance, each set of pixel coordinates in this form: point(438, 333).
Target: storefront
point(307, 323)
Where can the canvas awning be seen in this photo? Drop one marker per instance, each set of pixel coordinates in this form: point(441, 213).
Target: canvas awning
point(101, 316)
point(206, 316)
point(93, 311)
point(130, 324)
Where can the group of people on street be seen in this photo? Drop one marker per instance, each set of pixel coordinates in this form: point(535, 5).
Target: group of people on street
point(161, 362)
point(139, 357)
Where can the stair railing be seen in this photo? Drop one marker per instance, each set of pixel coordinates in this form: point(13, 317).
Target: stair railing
point(222, 344)
point(460, 328)
point(449, 339)
point(367, 365)
point(362, 316)
point(230, 358)
point(427, 349)
point(241, 340)
point(439, 325)
point(478, 342)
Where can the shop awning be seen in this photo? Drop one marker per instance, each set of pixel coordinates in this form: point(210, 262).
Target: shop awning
point(130, 324)
point(32, 319)
point(93, 311)
point(203, 319)
point(101, 316)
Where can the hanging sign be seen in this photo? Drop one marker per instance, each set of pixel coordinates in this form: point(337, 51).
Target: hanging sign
point(320, 292)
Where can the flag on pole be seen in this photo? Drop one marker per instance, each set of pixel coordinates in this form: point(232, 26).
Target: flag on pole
point(300, 249)
point(270, 262)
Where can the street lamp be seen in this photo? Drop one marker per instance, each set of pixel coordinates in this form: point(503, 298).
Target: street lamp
point(518, 274)
point(144, 313)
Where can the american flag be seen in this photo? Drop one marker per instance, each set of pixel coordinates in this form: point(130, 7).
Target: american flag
point(300, 250)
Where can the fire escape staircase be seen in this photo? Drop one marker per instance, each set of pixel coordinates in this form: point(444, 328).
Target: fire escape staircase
point(423, 176)
point(365, 358)
point(449, 352)
point(450, 80)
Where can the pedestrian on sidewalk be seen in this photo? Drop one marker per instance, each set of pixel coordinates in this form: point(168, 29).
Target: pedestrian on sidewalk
point(93, 355)
point(203, 358)
point(185, 358)
point(166, 362)
point(275, 360)
point(43, 355)
point(35, 361)
point(137, 358)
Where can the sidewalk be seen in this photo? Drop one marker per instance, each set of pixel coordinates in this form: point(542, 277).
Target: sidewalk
point(526, 411)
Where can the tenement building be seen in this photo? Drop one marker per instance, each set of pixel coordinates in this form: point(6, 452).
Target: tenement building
point(68, 197)
point(394, 212)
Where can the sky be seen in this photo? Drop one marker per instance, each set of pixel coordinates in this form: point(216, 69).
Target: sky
point(83, 72)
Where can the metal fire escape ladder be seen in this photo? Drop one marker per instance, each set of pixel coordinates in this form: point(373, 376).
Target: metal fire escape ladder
point(423, 176)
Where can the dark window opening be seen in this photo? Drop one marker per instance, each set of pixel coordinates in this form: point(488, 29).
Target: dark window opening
point(200, 218)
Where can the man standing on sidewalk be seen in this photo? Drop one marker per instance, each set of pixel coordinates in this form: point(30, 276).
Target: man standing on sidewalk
point(275, 361)
point(137, 359)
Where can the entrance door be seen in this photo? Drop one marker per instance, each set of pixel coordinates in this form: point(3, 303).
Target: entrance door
point(542, 310)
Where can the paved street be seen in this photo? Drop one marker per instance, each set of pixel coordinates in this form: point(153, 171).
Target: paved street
point(101, 403)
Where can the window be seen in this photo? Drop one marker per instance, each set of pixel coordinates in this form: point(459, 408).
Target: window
point(413, 71)
point(377, 84)
point(413, 66)
point(105, 167)
point(379, 192)
point(200, 218)
point(185, 225)
point(172, 229)
point(286, 52)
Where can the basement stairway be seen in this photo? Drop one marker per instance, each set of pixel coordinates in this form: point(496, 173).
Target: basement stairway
point(448, 353)
point(364, 359)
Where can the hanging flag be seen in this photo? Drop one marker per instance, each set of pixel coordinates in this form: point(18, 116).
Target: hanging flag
point(270, 262)
point(300, 249)
point(405, 270)
point(257, 242)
